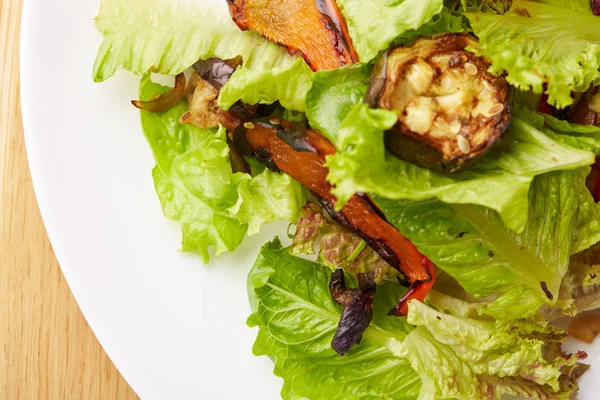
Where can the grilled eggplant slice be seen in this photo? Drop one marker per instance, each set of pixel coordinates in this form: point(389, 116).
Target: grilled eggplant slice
point(286, 147)
point(450, 109)
point(587, 110)
point(313, 29)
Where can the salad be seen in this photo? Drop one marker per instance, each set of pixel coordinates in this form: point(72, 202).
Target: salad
point(437, 161)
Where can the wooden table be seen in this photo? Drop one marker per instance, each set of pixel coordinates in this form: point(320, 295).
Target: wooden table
point(47, 350)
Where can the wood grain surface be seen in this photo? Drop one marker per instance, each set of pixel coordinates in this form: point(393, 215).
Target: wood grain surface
point(47, 350)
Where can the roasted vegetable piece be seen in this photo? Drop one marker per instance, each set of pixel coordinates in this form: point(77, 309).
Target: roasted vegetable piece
point(587, 110)
point(165, 100)
point(450, 109)
point(286, 147)
point(595, 5)
point(203, 109)
point(357, 312)
point(314, 29)
point(216, 71)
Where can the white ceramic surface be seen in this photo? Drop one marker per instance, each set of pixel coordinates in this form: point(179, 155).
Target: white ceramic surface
point(174, 328)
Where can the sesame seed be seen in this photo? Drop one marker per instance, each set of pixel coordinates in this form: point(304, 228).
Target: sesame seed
point(455, 127)
point(463, 144)
point(488, 85)
point(471, 68)
point(496, 109)
point(249, 125)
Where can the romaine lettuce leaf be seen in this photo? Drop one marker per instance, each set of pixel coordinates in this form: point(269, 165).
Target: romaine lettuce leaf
point(297, 318)
point(167, 37)
point(455, 357)
point(472, 245)
point(361, 165)
point(196, 186)
point(464, 358)
point(576, 5)
point(288, 84)
point(374, 24)
point(542, 44)
point(333, 94)
point(580, 287)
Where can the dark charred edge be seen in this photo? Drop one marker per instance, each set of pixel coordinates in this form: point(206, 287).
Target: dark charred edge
point(295, 137)
point(217, 71)
point(549, 295)
point(378, 77)
point(380, 248)
point(243, 147)
point(238, 163)
point(333, 23)
point(407, 296)
point(357, 312)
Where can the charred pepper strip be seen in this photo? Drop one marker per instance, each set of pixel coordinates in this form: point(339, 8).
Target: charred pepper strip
point(358, 309)
point(313, 29)
point(165, 100)
point(450, 109)
point(286, 147)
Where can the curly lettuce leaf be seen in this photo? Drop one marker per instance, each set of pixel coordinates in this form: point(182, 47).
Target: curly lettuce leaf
point(297, 319)
point(362, 165)
point(338, 247)
point(374, 24)
point(196, 187)
point(580, 287)
point(288, 85)
point(478, 250)
point(541, 45)
point(454, 356)
point(463, 358)
point(167, 37)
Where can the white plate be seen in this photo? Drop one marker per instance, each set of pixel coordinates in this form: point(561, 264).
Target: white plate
point(174, 328)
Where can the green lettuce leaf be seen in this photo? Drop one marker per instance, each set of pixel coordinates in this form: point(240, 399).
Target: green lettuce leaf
point(374, 24)
point(454, 356)
point(362, 165)
point(580, 287)
point(542, 44)
point(288, 84)
point(297, 318)
point(490, 6)
point(474, 246)
point(167, 37)
point(584, 137)
point(575, 5)
point(465, 358)
point(196, 186)
point(333, 94)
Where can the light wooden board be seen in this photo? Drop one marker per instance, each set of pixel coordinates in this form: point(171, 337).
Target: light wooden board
point(47, 350)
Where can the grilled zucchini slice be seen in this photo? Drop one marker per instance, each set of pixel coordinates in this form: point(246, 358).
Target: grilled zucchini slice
point(450, 109)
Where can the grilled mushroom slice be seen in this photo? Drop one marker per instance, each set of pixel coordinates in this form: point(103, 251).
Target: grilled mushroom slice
point(286, 147)
point(450, 109)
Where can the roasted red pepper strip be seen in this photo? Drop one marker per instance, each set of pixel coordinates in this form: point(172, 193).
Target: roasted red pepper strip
point(313, 29)
point(284, 146)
